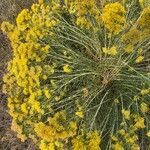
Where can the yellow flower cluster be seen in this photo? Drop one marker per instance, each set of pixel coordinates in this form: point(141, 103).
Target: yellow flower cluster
point(50, 145)
point(139, 59)
point(144, 21)
point(67, 68)
point(139, 123)
point(17, 128)
point(124, 139)
point(113, 17)
point(26, 74)
point(145, 92)
point(89, 141)
point(126, 114)
point(144, 107)
point(86, 12)
point(117, 146)
point(55, 129)
point(127, 135)
point(141, 30)
point(110, 51)
point(46, 146)
point(130, 38)
point(129, 48)
point(80, 114)
point(148, 133)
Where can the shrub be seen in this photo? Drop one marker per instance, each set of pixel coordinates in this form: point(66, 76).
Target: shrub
point(79, 76)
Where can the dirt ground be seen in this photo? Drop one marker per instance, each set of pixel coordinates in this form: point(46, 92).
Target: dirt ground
point(8, 140)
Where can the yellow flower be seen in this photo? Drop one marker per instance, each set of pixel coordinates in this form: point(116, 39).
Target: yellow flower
point(129, 48)
point(41, 1)
point(37, 106)
point(21, 18)
point(44, 77)
point(58, 144)
point(141, 2)
point(54, 83)
point(145, 92)
point(94, 140)
point(139, 59)
point(144, 108)
point(117, 146)
point(139, 123)
point(114, 138)
point(135, 147)
point(144, 20)
point(126, 114)
point(6, 27)
point(57, 128)
point(67, 68)
point(25, 91)
point(121, 132)
point(136, 98)
point(105, 50)
point(130, 37)
point(140, 51)
point(51, 146)
point(132, 139)
point(43, 131)
point(86, 141)
point(57, 98)
point(44, 145)
point(24, 108)
point(113, 17)
point(110, 51)
point(82, 9)
point(113, 50)
point(148, 133)
point(80, 114)
point(73, 125)
point(78, 143)
point(47, 93)
point(17, 128)
point(51, 23)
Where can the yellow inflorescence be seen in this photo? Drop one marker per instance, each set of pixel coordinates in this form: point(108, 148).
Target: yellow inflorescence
point(145, 92)
point(126, 114)
point(67, 69)
point(113, 17)
point(139, 59)
point(85, 11)
point(110, 51)
point(25, 70)
point(90, 141)
point(139, 123)
point(117, 146)
point(55, 130)
point(80, 114)
point(144, 21)
point(144, 107)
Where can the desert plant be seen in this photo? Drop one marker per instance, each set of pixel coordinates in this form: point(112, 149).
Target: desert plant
point(79, 76)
